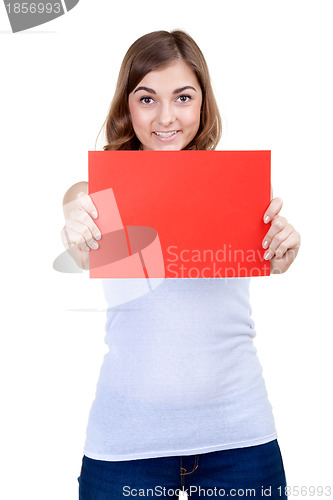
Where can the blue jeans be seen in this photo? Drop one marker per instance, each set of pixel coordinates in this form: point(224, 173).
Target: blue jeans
point(251, 472)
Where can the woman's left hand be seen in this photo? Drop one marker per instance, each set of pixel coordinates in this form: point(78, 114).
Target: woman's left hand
point(282, 241)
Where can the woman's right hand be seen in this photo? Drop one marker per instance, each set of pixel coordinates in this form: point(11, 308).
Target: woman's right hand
point(80, 233)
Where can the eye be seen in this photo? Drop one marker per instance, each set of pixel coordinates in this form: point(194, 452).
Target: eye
point(184, 98)
point(145, 100)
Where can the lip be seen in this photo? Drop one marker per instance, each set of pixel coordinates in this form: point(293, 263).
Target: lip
point(166, 139)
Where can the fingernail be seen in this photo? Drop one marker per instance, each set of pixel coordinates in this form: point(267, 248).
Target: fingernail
point(94, 244)
point(267, 219)
point(265, 244)
point(94, 214)
point(98, 236)
point(267, 255)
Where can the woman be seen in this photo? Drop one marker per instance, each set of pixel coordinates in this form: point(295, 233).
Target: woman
point(181, 401)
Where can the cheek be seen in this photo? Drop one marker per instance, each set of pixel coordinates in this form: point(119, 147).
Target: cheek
point(139, 120)
point(133, 113)
point(193, 117)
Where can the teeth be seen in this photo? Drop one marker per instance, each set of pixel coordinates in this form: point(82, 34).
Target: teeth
point(166, 134)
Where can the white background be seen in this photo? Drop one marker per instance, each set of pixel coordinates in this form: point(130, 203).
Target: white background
point(270, 64)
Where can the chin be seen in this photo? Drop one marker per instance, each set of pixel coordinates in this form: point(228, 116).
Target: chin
point(169, 147)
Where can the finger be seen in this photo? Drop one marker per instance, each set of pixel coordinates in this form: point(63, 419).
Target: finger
point(81, 217)
point(273, 209)
point(69, 241)
point(83, 244)
point(290, 245)
point(85, 202)
point(280, 236)
point(282, 264)
point(84, 247)
point(85, 219)
point(79, 234)
point(278, 224)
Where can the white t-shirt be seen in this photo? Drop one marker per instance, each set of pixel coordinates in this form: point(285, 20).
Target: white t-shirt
point(182, 375)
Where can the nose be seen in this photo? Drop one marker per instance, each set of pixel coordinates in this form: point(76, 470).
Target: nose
point(166, 114)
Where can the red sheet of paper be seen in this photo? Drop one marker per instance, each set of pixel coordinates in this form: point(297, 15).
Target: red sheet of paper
point(180, 214)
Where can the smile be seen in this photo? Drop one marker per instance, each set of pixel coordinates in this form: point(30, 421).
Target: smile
point(166, 134)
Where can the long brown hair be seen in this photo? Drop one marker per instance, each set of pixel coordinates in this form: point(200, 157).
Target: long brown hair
point(149, 52)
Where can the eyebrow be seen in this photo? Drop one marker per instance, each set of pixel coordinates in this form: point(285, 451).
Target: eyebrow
point(152, 91)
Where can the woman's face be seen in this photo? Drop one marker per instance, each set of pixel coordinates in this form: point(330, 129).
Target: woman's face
point(165, 108)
